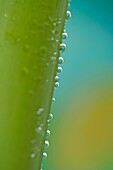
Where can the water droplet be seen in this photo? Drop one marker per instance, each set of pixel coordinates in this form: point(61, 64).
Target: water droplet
point(68, 5)
point(40, 110)
point(54, 24)
point(39, 129)
point(46, 144)
point(50, 118)
point(5, 15)
point(62, 47)
point(53, 31)
point(53, 99)
point(64, 35)
point(57, 40)
point(57, 84)
point(59, 22)
point(57, 78)
point(44, 155)
point(33, 155)
point(47, 81)
point(59, 69)
point(68, 15)
point(61, 60)
point(52, 39)
point(48, 133)
point(55, 53)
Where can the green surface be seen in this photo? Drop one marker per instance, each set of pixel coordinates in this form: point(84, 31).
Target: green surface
point(28, 33)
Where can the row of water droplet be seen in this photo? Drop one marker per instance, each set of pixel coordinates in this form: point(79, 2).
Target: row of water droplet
point(62, 49)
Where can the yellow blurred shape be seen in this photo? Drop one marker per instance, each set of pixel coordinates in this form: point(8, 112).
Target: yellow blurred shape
point(85, 139)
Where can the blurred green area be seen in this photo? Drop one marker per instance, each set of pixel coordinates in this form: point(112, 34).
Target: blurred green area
point(82, 129)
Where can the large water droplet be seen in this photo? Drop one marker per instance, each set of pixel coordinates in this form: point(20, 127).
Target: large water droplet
point(64, 35)
point(61, 60)
point(59, 69)
point(57, 78)
point(57, 84)
point(46, 144)
point(53, 99)
point(44, 155)
point(68, 15)
point(62, 47)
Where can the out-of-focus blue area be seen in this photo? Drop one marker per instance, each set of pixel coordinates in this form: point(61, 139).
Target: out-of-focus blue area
point(89, 57)
point(87, 79)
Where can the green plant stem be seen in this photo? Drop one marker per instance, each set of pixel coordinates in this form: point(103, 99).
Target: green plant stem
point(28, 33)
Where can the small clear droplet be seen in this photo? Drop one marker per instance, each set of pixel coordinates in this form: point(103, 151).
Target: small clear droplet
point(33, 155)
point(64, 35)
point(57, 40)
point(57, 84)
point(44, 155)
point(61, 60)
point(59, 22)
point(38, 129)
point(53, 99)
point(48, 133)
point(50, 118)
point(46, 144)
point(62, 47)
point(69, 5)
point(57, 78)
point(54, 24)
point(53, 31)
point(59, 70)
point(68, 15)
point(55, 53)
point(52, 39)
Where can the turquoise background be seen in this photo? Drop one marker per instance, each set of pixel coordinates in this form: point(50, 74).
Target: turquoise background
point(81, 132)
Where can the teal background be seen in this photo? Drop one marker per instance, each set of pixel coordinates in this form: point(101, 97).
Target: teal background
point(82, 129)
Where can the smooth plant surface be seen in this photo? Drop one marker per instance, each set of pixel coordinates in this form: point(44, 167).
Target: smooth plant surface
point(30, 38)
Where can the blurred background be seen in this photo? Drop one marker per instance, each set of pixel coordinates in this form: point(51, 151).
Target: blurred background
point(82, 129)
